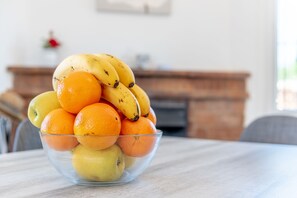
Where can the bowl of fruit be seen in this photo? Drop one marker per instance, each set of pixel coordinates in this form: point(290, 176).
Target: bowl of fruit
point(111, 166)
point(96, 126)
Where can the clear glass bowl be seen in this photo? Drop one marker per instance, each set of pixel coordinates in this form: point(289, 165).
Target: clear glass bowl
point(85, 160)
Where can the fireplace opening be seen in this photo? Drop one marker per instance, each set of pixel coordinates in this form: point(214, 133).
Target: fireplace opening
point(171, 116)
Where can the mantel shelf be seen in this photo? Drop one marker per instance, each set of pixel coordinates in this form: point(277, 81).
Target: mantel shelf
point(145, 73)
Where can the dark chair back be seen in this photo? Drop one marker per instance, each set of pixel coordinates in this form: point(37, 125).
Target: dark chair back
point(279, 129)
point(5, 128)
point(26, 137)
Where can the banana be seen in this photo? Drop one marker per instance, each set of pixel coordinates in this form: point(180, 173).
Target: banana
point(122, 98)
point(100, 68)
point(124, 71)
point(142, 98)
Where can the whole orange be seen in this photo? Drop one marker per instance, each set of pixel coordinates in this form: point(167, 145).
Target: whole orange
point(78, 90)
point(137, 146)
point(59, 122)
point(97, 126)
point(152, 116)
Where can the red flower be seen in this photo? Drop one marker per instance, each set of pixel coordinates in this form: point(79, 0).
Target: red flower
point(51, 42)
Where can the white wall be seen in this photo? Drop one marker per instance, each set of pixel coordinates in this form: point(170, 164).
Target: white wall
point(199, 35)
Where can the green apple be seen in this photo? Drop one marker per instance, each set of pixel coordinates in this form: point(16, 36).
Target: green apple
point(129, 161)
point(41, 105)
point(98, 165)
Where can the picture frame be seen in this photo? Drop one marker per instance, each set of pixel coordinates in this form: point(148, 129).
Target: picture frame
point(135, 6)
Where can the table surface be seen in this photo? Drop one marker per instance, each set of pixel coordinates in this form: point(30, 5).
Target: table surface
point(181, 168)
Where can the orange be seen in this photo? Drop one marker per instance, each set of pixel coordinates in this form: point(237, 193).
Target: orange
point(98, 126)
point(122, 116)
point(59, 122)
point(152, 116)
point(137, 146)
point(78, 90)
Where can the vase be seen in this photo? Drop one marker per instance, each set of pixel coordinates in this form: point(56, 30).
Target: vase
point(51, 57)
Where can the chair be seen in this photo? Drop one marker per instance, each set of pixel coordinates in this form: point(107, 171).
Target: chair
point(26, 137)
point(5, 128)
point(279, 129)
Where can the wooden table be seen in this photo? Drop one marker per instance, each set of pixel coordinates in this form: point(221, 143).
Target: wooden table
point(182, 168)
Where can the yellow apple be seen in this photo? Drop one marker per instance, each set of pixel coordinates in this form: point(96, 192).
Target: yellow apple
point(129, 161)
point(98, 165)
point(41, 105)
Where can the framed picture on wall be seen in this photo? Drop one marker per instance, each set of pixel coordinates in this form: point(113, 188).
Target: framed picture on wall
point(135, 6)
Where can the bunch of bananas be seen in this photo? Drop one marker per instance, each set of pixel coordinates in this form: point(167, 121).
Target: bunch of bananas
point(116, 77)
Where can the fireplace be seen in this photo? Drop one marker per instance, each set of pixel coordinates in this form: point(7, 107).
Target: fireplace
point(171, 116)
point(204, 104)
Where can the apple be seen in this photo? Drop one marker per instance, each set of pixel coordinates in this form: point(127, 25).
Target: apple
point(98, 165)
point(129, 161)
point(41, 105)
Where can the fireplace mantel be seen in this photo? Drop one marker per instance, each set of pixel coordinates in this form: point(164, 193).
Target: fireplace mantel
point(215, 100)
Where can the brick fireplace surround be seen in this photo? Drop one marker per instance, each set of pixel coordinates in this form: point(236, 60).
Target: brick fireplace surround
point(215, 101)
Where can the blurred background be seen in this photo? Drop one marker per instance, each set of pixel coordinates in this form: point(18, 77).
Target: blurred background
point(257, 37)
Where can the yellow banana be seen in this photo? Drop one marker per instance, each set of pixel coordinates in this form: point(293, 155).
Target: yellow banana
point(142, 98)
point(124, 71)
point(100, 68)
point(122, 98)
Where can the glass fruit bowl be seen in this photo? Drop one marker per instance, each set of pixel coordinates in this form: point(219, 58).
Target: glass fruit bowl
point(100, 160)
